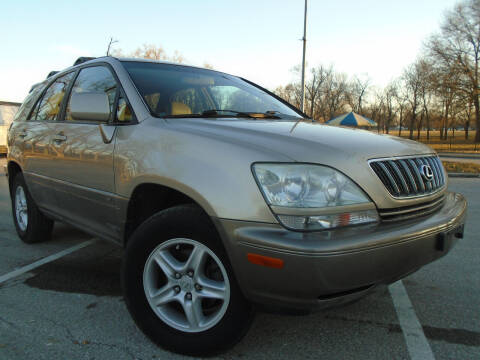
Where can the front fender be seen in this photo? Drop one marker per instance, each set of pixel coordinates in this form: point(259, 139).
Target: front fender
point(214, 172)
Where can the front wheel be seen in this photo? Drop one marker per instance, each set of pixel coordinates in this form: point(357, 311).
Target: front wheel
point(179, 286)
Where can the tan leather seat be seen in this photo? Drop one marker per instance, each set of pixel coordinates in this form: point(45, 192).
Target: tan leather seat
point(124, 112)
point(54, 104)
point(179, 108)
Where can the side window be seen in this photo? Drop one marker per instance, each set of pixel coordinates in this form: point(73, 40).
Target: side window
point(124, 112)
point(94, 79)
point(29, 101)
point(49, 107)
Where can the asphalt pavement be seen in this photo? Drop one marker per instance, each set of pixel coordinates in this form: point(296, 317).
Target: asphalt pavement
point(71, 307)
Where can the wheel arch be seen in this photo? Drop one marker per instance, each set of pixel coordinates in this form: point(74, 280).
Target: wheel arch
point(13, 168)
point(149, 198)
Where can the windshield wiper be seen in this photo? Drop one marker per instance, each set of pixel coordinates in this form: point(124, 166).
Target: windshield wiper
point(180, 116)
point(254, 115)
point(214, 113)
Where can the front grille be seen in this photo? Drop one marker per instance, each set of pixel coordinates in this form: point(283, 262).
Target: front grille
point(410, 176)
point(414, 211)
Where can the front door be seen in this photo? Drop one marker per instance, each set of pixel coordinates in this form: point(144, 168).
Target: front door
point(84, 161)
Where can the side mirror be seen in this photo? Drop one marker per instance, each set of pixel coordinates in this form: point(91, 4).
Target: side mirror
point(90, 106)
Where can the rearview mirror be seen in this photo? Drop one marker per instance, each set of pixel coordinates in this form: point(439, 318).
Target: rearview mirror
point(90, 106)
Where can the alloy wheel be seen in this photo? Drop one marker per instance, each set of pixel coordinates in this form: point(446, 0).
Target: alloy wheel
point(21, 208)
point(186, 285)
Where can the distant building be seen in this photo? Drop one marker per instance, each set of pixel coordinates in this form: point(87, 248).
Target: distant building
point(7, 112)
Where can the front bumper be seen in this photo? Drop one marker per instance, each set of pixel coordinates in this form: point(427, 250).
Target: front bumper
point(331, 267)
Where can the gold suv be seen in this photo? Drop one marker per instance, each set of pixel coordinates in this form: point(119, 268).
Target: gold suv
point(225, 197)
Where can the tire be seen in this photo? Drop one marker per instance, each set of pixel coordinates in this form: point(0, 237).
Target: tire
point(31, 225)
point(166, 244)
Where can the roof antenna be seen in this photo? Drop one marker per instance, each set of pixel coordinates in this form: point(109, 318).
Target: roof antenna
point(112, 41)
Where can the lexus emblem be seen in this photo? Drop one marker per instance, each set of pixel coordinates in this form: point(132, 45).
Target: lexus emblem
point(427, 172)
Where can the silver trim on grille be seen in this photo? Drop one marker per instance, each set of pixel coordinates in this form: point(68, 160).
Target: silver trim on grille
point(408, 212)
point(402, 178)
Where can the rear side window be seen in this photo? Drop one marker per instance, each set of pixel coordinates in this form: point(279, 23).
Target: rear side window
point(94, 79)
point(50, 105)
point(27, 104)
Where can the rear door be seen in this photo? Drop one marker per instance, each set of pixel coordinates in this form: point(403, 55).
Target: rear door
point(18, 129)
point(84, 161)
point(35, 135)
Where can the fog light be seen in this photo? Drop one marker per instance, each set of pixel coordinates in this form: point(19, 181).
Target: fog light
point(322, 222)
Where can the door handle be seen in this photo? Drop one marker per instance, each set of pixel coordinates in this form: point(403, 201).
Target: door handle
point(22, 133)
point(59, 138)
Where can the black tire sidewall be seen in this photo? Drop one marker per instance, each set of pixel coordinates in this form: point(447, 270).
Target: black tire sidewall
point(181, 222)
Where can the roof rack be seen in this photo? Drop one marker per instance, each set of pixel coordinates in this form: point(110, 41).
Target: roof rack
point(51, 73)
point(34, 86)
point(82, 59)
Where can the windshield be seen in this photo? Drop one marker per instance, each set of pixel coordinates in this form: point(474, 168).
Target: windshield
point(181, 91)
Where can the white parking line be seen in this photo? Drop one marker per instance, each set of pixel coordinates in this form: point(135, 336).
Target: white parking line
point(43, 261)
point(417, 343)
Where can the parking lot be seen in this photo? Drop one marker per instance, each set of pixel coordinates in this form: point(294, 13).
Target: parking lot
point(71, 307)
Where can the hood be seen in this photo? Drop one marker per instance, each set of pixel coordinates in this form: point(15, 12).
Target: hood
point(306, 141)
point(345, 149)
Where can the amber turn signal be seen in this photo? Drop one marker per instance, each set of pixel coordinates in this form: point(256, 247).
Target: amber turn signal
point(265, 261)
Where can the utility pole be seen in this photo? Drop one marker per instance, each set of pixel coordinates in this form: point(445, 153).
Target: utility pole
point(304, 39)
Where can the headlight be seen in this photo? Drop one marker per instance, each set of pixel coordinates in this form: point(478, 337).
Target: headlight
point(313, 197)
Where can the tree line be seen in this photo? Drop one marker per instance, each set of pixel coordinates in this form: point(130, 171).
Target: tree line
point(440, 90)
point(152, 52)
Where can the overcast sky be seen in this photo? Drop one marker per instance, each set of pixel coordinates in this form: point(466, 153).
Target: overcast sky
point(257, 39)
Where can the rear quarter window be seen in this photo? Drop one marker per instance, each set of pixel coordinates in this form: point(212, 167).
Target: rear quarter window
point(29, 101)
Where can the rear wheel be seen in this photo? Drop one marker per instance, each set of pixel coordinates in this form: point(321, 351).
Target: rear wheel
point(31, 225)
point(179, 287)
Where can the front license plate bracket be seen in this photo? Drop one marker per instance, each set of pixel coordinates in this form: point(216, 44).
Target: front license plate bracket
point(442, 237)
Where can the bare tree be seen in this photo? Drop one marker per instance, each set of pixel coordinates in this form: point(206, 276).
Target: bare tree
point(376, 109)
point(358, 92)
point(177, 57)
point(401, 104)
point(427, 86)
point(390, 93)
point(314, 85)
point(290, 93)
point(467, 115)
point(326, 92)
point(457, 48)
point(150, 51)
point(412, 82)
point(445, 85)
